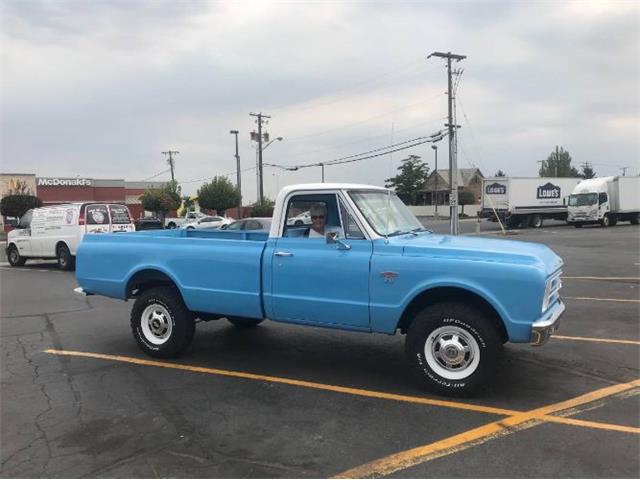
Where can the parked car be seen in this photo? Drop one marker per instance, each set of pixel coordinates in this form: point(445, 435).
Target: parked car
point(303, 219)
point(56, 231)
point(458, 299)
point(179, 222)
point(207, 223)
point(255, 223)
point(148, 223)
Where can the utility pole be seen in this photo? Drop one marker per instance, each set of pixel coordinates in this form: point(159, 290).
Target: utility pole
point(238, 180)
point(322, 165)
point(435, 175)
point(541, 162)
point(453, 161)
point(557, 160)
point(260, 116)
point(171, 161)
point(624, 171)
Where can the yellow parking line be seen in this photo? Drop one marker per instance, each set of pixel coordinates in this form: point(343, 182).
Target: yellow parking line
point(623, 300)
point(409, 458)
point(600, 340)
point(331, 388)
point(290, 381)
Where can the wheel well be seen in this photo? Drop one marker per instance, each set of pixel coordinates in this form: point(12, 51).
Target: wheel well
point(59, 244)
point(146, 279)
point(451, 294)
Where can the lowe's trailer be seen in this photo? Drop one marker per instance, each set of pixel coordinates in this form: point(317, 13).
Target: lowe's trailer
point(520, 201)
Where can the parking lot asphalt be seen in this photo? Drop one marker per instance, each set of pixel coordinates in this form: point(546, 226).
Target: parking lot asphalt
point(79, 399)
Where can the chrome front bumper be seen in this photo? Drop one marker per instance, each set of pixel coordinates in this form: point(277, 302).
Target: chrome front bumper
point(542, 330)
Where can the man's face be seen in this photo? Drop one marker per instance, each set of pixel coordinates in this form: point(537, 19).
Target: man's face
point(318, 219)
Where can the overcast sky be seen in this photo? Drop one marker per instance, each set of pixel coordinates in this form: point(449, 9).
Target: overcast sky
point(99, 88)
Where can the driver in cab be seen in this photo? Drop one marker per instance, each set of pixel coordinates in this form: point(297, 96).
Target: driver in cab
point(318, 228)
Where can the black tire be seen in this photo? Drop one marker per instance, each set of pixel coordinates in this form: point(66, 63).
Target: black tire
point(297, 223)
point(606, 221)
point(613, 221)
point(577, 225)
point(66, 261)
point(242, 322)
point(174, 324)
point(536, 221)
point(435, 325)
point(190, 228)
point(14, 258)
point(635, 219)
point(171, 226)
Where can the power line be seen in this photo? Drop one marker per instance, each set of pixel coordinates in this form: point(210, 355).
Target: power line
point(156, 175)
point(365, 120)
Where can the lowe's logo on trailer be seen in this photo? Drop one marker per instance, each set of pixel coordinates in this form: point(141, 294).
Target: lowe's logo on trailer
point(496, 189)
point(548, 190)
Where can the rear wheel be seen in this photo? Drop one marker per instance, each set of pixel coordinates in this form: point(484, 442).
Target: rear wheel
point(536, 221)
point(577, 225)
point(161, 323)
point(635, 219)
point(452, 348)
point(613, 221)
point(14, 257)
point(65, 260)
point(242, 322)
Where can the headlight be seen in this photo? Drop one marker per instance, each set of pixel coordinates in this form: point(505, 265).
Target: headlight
point(551, 290)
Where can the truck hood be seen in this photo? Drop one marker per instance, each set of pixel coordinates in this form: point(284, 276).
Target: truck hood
point(479, 249)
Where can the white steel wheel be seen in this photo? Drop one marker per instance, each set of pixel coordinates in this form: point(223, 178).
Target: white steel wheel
point(452, 352)
point(156, 324)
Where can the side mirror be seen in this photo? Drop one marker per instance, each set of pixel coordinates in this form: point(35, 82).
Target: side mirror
point(224, 227)
point(332, 238)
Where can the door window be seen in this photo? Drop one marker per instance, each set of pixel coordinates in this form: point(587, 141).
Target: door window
point(602, 198)
point(236, 225)
point(311, 215)
point(25, 220)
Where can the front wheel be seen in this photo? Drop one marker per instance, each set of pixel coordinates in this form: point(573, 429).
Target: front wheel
point(14, 257)
point(242, 322)
point(452, 348)
point(606, 221)
point(161, 323)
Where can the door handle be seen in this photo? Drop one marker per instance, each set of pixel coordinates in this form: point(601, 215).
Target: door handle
point(283, 254)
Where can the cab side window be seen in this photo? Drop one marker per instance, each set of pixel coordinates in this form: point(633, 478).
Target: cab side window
point(298, 214)
point(602, 198)
point(351, 229)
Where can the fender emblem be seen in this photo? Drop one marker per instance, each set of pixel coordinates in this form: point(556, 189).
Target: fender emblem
point(389, 277)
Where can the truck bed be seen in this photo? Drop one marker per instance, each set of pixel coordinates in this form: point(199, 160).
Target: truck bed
point(218, 272)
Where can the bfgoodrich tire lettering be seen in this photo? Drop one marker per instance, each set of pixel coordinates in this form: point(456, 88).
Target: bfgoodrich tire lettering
point(156, 306)
point(452, 348)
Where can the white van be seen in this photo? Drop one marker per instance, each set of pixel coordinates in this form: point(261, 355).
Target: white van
point(56, 231)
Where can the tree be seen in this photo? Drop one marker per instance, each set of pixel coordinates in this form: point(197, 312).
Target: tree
point(264, 209)
point(162, 200)
point(499, 173)
point(411, 180)
point(465, 197)
point(587, 171)
point(19, 200)
point(218, 195)
point(186, 205)
point(558, 164)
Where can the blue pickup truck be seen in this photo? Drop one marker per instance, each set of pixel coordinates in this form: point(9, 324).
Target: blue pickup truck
point(364, 263)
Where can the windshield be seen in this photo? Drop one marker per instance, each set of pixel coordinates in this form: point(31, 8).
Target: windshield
point(583, 199)
point(386, 213)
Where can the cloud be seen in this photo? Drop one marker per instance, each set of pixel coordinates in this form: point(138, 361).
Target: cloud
point(101, 88)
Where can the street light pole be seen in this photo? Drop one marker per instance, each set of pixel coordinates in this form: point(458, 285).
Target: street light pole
point(435, 174)
point(238, 180)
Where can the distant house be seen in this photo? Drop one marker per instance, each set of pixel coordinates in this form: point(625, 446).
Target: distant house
point(437, 186)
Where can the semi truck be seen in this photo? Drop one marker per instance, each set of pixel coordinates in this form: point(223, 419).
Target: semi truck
point(526, 201)
point(375, 269)
point(605, 201)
